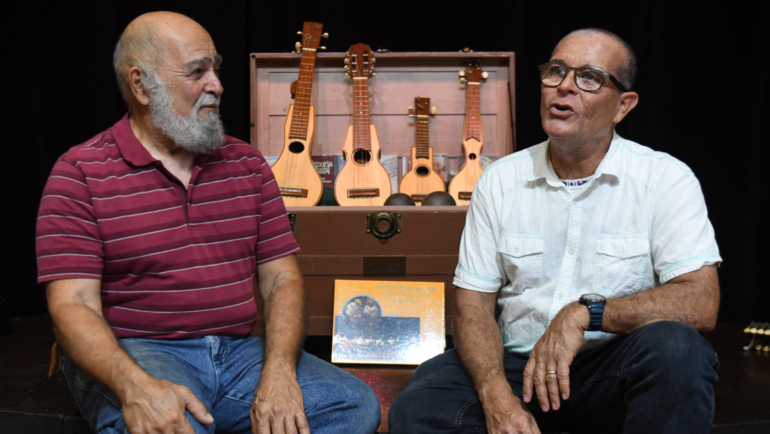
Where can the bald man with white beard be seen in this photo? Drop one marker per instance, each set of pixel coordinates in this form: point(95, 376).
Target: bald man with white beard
point(150, 237)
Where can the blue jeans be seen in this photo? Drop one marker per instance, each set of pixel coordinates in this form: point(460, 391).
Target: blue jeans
point(659, 379)
point(223, 373)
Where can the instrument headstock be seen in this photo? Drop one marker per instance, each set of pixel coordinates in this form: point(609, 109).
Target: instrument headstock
point(359, 62)
point(421, 107)
point(311, 37)
point(472, 72)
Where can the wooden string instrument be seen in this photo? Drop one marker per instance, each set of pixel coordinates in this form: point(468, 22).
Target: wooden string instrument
point(421, 180)
point(297, 178)
point(461, 186)
point(362, 181)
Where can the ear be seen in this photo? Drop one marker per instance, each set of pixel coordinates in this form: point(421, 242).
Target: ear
point(135, 75)
point(628, 100)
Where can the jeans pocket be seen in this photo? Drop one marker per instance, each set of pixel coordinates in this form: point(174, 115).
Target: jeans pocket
point(522, 256)
point(621, 264)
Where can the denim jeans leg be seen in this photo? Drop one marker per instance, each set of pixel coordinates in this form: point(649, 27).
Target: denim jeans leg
point(658, 379)
point(180, 362)
point(335, 401)
point(440, 398)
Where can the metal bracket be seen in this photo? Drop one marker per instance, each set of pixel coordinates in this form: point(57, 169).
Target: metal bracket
point(373, 220)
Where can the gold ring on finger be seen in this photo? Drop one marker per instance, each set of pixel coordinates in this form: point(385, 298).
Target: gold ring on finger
point(550, 372)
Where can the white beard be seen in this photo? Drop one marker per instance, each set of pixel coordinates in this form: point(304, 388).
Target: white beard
point(197, 135)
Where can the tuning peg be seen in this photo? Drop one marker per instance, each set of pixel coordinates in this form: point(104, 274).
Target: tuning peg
point(374, 74)
point(299, 32)
point(347, 74)
point(325, 36)
point(433, 110)
point(462, 73)
point(347, 60)
point(373, 60)
point(463, 81)
point(322, 47)
point(298, 47)
point(485, 75)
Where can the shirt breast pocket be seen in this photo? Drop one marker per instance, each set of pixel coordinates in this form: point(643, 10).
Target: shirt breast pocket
point(522, 257)
point(621, 264)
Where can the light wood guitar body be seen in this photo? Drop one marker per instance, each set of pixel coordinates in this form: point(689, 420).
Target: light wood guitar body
point(421, 180)
point(361, 182)
point(461, 186)
point(297, 177)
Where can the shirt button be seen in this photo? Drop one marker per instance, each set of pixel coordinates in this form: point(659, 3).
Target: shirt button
point(571, 251)
point(515, 248)
point(560, 296)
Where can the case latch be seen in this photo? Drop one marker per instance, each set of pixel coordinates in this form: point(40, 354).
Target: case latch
point(383, 224)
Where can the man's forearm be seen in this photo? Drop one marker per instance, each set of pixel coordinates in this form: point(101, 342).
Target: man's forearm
point(285, 311)
point(692, 299)
point(480, 346)
point(88, 340)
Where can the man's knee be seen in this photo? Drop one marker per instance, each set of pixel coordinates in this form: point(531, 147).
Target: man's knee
point(676, 351)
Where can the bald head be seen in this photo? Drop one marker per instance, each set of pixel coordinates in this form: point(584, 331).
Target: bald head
point(146, 41)
point(626, 67)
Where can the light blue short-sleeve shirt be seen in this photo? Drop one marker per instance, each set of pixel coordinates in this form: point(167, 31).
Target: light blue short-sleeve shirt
point(639, 222)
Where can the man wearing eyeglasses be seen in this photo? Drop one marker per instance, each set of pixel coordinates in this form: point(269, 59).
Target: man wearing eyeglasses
point(597, 258)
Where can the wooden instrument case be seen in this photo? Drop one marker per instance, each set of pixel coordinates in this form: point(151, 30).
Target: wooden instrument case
point(338, 242)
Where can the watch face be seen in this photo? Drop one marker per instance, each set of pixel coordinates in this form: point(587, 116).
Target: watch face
point(592, 298)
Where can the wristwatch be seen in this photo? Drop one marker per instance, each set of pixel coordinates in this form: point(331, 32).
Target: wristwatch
point(595, 304)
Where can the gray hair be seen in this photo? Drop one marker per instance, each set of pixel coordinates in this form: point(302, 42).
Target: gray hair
point(627, 72)
point(138, 48)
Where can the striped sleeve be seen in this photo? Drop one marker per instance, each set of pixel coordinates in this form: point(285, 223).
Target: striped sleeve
point(275, 236)
point(67, 239)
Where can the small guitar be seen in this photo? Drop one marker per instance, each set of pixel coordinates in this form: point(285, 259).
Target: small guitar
point(421, 180)
point(362, 181)
point(297, 178)
point(461, 186)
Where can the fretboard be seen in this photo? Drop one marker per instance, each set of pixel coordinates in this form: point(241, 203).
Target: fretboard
point(473, 111)
point(361, 136)
point(421, 137)
point(299, 120)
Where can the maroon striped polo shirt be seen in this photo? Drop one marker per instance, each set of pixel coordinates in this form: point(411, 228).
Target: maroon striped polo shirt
point(174, 263)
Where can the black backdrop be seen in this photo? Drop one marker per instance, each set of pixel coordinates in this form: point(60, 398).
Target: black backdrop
point(703, 72)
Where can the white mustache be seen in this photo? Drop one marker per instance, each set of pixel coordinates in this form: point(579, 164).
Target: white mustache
point(206, 99)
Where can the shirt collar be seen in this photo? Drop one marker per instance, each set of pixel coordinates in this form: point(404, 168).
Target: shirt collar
point(130, 148)
point(542, 167)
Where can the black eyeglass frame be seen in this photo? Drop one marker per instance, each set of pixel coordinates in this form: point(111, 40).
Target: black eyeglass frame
point(604, 73)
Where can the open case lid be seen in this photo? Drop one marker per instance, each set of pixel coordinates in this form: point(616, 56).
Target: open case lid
point(400, 78)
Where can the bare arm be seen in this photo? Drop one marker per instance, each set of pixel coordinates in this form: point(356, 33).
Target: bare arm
point(480, 346)
point(692, 299)
point(278, 403)
point(81, 330)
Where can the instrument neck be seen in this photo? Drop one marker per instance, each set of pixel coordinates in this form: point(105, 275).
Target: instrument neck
point(472, 124)
point(300, 117)
point(422, 146)
point(361, 130)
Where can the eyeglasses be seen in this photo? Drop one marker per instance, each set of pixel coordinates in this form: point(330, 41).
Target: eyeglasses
point(587, 78)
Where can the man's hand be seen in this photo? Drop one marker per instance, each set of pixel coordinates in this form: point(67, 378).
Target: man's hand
point(507, 414)
point(158, 406)
point(278, 407)
point(548, 366)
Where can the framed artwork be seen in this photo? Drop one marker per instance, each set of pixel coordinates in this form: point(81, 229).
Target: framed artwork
point(387, 322)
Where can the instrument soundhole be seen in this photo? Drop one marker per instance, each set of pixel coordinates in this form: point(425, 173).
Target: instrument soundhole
point(422, 171)
point(296, 147)
point(472, 156)
point(362, 156)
